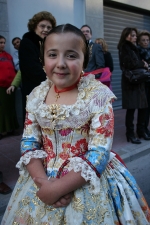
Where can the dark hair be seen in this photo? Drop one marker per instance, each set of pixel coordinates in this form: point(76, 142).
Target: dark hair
point(65, 28)
point(126, 31)
point(15, 39)
point(142, 33)
point(2, 37)
point(44, 15)
point(85, 25)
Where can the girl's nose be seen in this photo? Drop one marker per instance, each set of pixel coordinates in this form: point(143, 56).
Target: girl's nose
point(61, 62)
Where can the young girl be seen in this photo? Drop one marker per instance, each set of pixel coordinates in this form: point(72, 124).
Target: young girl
point(67, 173)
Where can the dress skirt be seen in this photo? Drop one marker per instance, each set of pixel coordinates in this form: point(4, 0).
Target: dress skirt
point(8, 117)
point(119, 202)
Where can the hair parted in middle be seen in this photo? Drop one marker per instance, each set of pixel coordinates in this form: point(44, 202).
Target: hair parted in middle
point(68, 28)
point(126, 31)
point(38, 17)
point(102, 42)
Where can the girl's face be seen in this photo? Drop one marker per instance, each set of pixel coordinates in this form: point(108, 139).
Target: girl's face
point(43, 28)
point(132, 37)
point(2, 44)
point(63, 57)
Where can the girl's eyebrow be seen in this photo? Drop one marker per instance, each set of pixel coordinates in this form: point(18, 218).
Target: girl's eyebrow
point(69, 50)
point(53, 49)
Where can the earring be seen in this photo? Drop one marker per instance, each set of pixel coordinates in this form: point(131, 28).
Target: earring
point(82, 73)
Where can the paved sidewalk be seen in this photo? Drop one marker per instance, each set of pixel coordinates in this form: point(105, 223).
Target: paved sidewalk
point(10, 154)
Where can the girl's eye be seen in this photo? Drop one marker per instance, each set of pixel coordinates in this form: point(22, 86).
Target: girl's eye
point(71, 56)
point(52, 55)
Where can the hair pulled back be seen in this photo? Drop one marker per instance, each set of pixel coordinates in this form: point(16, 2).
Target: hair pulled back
point(65, 28)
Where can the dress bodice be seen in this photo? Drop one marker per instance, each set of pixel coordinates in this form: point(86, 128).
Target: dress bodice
point(62, 132)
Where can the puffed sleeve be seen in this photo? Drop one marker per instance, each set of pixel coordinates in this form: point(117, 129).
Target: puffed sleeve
point(31, 142)
point(93, 163)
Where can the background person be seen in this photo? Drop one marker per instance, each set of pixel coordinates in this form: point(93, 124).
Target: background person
point(108, 59)
point(96, 56)
point(107, 55)
point(133, 95)
point(8, 117)
point(144, 50)
point(32, 72)
point(67, 137)
point(15, 83)
point(16, 44)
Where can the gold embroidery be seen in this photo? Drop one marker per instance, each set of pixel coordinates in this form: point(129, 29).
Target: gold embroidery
point(27, 131)
point(99, 141)
point(17, 192)
point(76, 204)
point(41, 211)
point(25, 201)
point(48, 131)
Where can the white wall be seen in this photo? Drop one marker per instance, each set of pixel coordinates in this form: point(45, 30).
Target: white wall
point(20, 11)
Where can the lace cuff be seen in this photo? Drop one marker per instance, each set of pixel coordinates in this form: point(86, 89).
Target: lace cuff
point(79, 165)
point(25, 159)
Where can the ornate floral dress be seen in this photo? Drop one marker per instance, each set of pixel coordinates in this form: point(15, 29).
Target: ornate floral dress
point(75, 137)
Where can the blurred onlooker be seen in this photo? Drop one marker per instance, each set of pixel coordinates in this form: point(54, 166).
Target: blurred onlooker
point(17, 79)
point(32, 72)
point(96, 56)
point(107, 55)
point(16, 44)
point(8, 118)
point(133, 95)
point(15, 83)
point(144, 50)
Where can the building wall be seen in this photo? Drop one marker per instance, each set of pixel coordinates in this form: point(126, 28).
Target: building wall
point(4, 30)
point(94, 17)
point(144, 4)
point(19, 12)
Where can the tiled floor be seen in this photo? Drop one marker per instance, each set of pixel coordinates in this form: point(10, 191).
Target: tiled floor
point(9, 156)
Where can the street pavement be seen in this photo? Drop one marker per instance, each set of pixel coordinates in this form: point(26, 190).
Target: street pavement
point(10, 153)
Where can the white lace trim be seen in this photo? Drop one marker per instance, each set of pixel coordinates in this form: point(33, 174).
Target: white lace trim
point(25, 159)
point(77, 164)
point(37, 97)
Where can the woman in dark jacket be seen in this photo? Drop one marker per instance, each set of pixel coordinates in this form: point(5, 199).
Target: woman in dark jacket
point(133, 95)
point(32, 72)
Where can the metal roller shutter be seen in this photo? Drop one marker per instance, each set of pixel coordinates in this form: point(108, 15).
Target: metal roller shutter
point(115, 20)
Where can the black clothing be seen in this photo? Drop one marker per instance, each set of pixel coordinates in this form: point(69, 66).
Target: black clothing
point(140, 121)
point(133, 95)
point(109, 61)
point(32, 72)
point(145, 55)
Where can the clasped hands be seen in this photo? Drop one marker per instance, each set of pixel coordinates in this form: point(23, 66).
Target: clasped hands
point(49, 192)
